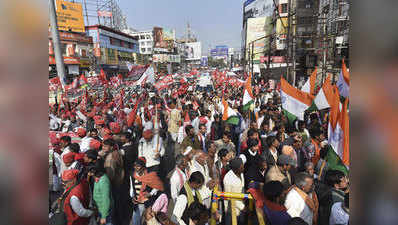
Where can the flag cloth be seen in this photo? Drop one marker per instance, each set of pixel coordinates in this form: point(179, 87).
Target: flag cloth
point(339, 134)
point(248, 98)
point(343, 83)
point(293, 100)
point(309, 86)
point(334, 161)
point(325, 97)
point(229, 115)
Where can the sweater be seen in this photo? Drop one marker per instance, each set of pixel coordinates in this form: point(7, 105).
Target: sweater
point(102, 195)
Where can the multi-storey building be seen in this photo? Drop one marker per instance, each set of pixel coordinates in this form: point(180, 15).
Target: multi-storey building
point(113, 49)
point(145, 40)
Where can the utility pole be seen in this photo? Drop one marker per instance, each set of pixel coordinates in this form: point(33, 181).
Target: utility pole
point(324, 47)
point(59, 60)
point(252, 58)
point(288, 40)
point(294, 47)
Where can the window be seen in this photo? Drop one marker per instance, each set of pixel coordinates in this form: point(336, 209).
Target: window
point(142, 49)
point(111, 41)
point(149, 49)
point(142, 37)
point(148, 37)
point(284, 8)
point(149, 43)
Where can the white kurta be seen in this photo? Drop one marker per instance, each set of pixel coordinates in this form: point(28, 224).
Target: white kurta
point(177, 181)
point(205, 192)
point(148, 150)
point(233, 183)
point(296, 206)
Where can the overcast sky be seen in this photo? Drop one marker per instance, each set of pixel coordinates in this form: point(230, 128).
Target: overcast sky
point(214, 22)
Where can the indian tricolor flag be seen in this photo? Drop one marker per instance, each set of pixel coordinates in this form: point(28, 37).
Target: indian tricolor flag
point(343, 83)
point(309, 86)
point(338, 138)
point(229, 115)
point(326, 96)
point(248, 98)
point(294, 101)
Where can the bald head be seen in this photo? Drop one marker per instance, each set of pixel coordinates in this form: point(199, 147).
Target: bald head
point(201, 157)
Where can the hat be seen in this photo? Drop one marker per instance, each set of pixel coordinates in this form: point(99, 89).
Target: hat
point(115, 127)
point(285, 160)
point(187, 150)
point(69, 157)
point(95, 144)
point(235, 163)
point(147, 134)
point(68, 175)
point(141, 161)
point(99, 122)
point(81, 132)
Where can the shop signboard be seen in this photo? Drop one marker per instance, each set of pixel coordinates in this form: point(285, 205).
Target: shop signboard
point(70, 16)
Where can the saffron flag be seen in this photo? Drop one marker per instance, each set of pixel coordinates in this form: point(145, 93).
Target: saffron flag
point(248, 97)
point(293, 100)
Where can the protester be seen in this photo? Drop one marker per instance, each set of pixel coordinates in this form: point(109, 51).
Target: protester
point(274, 209)
point(280, 171)
point(301, 200)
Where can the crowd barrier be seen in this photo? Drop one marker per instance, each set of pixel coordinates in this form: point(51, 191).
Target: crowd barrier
point(233, 197)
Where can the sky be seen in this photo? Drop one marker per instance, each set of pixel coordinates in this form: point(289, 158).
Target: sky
point(214, 22)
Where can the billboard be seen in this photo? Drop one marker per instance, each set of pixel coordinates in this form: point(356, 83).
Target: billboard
point(204, 61)
point(194, 50)
point(258, 8)
point(257, 28)
point(220, 50)
point(169, 34)
point(158, 38)
point(70, 16)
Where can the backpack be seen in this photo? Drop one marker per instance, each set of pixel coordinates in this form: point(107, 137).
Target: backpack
point(59, 217)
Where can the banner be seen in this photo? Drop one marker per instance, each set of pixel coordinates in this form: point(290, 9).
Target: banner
point(194, 50)
point(259, 8)
point(136, 72)
point(204, 61)
point(258, 28)
point(70, 16)
point(104, 13)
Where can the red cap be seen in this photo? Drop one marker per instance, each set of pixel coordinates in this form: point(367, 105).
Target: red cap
point(99, 122)
point(81, 132)
point(68, 175)
point(147, 134)
point(95, 144)
point(69, 157)
point(115, 128)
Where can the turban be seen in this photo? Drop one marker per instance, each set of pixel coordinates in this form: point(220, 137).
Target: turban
point(68, 175)
point(187, 150)
point(115, 128)
point(81, 132)
point(107, 131)
point(95, 144)
point(99, 122)
point(147, 134)
point(69, 157)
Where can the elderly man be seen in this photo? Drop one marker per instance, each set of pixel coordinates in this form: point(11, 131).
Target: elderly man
point(301, 200)
point(178, 177)
point(200, 164)
point(280, 171)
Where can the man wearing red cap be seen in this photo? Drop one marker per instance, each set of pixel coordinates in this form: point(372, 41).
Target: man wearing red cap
point(152, 149)
point(76, 204)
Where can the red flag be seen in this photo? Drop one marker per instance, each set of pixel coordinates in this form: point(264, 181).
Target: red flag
point(103, 77)
point(132, 115)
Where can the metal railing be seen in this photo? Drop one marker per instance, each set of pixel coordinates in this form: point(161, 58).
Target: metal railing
point(233, 197)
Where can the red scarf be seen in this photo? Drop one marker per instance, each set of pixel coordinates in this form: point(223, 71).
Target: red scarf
point(150, 179)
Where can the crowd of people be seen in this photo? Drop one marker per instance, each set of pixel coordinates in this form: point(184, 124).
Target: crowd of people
point(156, 158)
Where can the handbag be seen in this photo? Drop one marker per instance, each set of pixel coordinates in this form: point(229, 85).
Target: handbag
point(59, 217)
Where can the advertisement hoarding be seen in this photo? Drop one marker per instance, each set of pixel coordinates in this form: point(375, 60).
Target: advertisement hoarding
point(221, 50)
point(194, 50)
point(169, 34)
point(258, 8)
point(258, 28)
point(204, 61)
point(158, 38)
point(70, 16)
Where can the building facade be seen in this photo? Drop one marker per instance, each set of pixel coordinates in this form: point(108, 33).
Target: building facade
point(145, 40)
point(113, 49)
point(77, 51)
